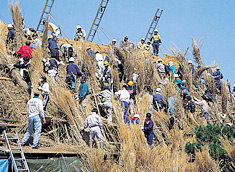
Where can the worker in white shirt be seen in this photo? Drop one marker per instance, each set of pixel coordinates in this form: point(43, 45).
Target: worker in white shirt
point(100, 63)
point(35, 114)
point(45, 91)
point(204, 107)
point(94, 122)
point(125, 99)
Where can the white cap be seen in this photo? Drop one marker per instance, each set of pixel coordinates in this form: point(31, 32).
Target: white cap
point(190, 62)
point(136, 116)
point(159, 60)
point(155, 30)
point(78, 27)
point(10, 25)
point(142, 39)
point(71, 59)
point(217, 68)
point(158, 90)
point(170, 63)
point(175, 75)
point(114, 40)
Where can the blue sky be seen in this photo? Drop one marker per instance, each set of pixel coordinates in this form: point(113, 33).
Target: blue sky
point(212, 21)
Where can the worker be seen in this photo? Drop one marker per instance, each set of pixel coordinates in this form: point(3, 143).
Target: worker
point(177, 81)
point(100, 64)
point(114, 41)
point(192, 70)
point(80, 34)
point(148, 129)
point(156, 42)
point(141, 45)
point(107, 77)
point(52, 65)
point(172, 68)
point(94, 122)
point(83, 92)
point(148, 47)
point(132, 92)
point(160, 67)
point(125, 99)
point(165, 80)
point(54, 29)
point(35, 114)
point(45, 91)
point(217, 75)
point(184, 89)
point(72, 72)
point(134, 120)
point(171, 105)
point(148, 95)
point(90, 52)
point(36, 42)
point(24, 51)
point(52, 45)
point(167, 69)
point(67, 51)
point(125, 44)
point(189, 106)
point(25, 29)
point(158, 99)
point(106, 102)
point(11, 34)
point(204, 107)
point(202, 76)
point(24, 71)
point(134, 78)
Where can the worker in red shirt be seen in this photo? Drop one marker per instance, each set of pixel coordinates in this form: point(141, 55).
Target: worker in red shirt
point(24, 51)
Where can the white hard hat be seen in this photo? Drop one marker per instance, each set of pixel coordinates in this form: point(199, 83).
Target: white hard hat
point(78, 27)
point(190, 62)
point(158, 90)
point(10, 25)
point(136, 116)
point(155, 30)
point(114, 40)
point(234, 85)
point(170, 63)
point(142, 39)
point(159, 60)
point(217, 68)
point(71, 59)
point(176, 75)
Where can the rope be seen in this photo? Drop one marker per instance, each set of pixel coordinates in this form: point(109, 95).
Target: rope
point(104, 33)
point(10, 97)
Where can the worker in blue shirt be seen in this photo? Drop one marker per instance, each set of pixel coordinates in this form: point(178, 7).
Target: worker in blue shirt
point(148, 129)
point(52, 45)
point(134, 120)
point(11, 34)
point(217, 75)
point(90, 52)
point(83, 92)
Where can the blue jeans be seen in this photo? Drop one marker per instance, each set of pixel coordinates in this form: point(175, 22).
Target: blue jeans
point(125, 104)
point(73, 83)
point(149, 137)
point(155, 48)
point(36, 124)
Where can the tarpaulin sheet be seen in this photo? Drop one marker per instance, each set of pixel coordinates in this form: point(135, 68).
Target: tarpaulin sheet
point(63, 164)
point(4, 165)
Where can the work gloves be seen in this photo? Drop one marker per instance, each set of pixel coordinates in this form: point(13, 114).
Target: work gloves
point(39, 88)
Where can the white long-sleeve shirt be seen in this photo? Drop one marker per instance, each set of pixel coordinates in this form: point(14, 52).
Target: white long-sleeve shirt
point(202, 103)
point(93, 120)
point(160, 68)
point(35, 107)
point(99, 57)
point(45, 88)
point(124, 95)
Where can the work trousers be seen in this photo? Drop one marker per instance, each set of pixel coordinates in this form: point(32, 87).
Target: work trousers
point(96, 132)
point(35, 123)
point(45, 101)
point(125, 105)
point(52, 74)
point(149, 137)
point(155, 48)
point(73, 80)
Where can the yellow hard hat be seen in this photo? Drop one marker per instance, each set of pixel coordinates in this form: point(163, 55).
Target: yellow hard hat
point(130, 83)
point(87, 48)
point(106, 63)
point(135, 69)
point(163, 62)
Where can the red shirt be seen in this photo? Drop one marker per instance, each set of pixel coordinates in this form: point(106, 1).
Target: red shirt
point(25, 51)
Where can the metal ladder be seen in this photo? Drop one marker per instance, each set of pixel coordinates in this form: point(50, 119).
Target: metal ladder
point(16, 161)
point(46, 11)
point(153, 24)
point(96, 22)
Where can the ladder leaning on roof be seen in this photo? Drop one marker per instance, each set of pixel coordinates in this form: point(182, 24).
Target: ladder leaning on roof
point(20, 163)
point(46, 11)
point(96, 22)
point(153, 24)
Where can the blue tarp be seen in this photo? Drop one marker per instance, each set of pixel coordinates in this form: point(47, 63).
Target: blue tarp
point(4, 165)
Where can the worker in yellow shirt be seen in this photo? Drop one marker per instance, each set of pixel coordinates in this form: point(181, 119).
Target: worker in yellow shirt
point(148, 47)
point(156, 42)
point(141, 45)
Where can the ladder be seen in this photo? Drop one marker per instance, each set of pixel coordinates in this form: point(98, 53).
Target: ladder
point(153, 24)
point(97, 20)
point(46, 11)
point(19, 163)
